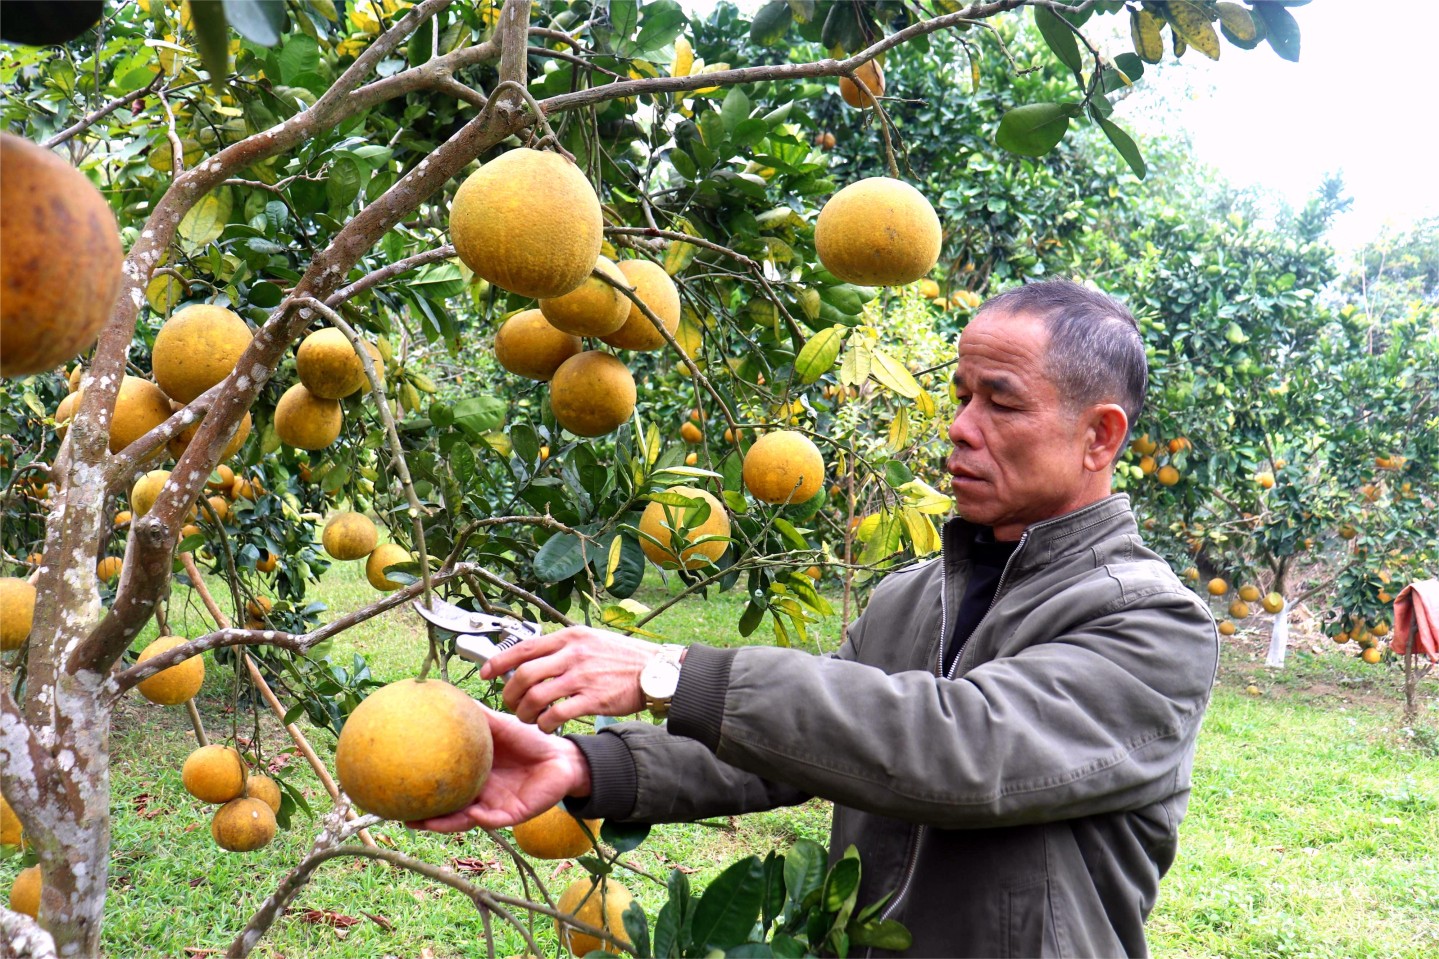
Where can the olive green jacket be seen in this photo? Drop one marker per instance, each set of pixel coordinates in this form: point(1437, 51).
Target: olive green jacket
point(1026, 805)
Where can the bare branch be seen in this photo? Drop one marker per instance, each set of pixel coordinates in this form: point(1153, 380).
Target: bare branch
point(90, 119)
point(22, 937)
point(389, 272)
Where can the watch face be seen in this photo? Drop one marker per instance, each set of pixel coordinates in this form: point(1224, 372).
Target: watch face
point(659, 679)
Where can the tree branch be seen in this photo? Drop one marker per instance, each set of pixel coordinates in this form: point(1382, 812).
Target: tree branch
point(90, 119)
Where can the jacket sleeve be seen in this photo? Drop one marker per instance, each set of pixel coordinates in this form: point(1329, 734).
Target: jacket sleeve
point(645, 773)
point(1101, 718)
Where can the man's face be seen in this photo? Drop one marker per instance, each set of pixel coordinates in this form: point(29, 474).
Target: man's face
point(1019, 452)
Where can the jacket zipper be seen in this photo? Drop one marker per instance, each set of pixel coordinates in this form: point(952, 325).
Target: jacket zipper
point(918, 835)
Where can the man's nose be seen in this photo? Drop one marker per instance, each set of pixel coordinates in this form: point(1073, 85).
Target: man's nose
point(962, 430)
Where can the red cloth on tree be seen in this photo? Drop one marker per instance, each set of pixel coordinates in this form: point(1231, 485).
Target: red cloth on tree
point(1416, 619)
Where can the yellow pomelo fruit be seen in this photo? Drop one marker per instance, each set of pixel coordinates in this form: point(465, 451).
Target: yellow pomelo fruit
point(307, 421)
point(243, 825)
point(1273, 602)
point(178, 683)
point(77, 373)
point(329, 366)
point(221, 507)
point(1249, 593)
point(264, 789)
point(64, 410)
point(181, 442)
point(1371, 655)
point(109, 568)
point(188, 530)
point(555, 834)
point(878, 232)
point(123, 518)
point(213, 774)
point(592, 394)
point(1239, 609)
point(17, 612)
point(929, 289)
point(601, 905)
point(223, 476)
point(414, 750)
point(349, 536)
point(529, 222)
point(871, 75)
point(196, 348)
point(384, 555)
point(249, 489)
point(657, 291)
point(1218, 587)
point(146, 490)
point(660, 521)
point(1168, 475)
point(692, 459)
point(1227, 628)
point(691, 433)
point(258, 607)
point(25, 892)
point(10, 828)
point(783, 467)
point(140, 406)
point(60, 259)
point(594, 308)
point(527, 345)
point(267, 562)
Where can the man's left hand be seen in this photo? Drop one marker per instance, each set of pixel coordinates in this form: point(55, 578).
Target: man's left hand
point(595, 672)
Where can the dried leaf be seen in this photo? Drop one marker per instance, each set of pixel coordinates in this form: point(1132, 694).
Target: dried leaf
point(381, 921)
point(473, 864)
point(329, 917)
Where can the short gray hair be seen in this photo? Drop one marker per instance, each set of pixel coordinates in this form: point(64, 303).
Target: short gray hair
point(1096, 354)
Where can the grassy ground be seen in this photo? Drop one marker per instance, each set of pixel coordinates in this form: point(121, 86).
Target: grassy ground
point(1312, 831)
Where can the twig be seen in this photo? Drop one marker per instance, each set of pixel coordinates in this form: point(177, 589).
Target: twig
point(90, 119)
point(389, 272)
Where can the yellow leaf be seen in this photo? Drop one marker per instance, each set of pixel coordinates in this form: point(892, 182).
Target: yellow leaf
point(925, 498)
point(924, 402)
point(892, 374)
point(713, 68)
point(680, 254)
point(1237, 20)
point(1144, 32)
point(689, 334)
point(206, 219)
point(613, 563)
point(854, 368)
point(922, 534)
point(163, 292)
point(1189, 22)
point(684, 58)
point(899, 430)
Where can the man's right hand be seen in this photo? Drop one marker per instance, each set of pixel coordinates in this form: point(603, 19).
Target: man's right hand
point(532, 771)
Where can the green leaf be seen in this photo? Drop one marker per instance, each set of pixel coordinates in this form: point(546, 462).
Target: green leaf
point(206, 220)
point(1130, 65)
point(664, 20)
point(559, 558)
point(683, 165)
point(259, 21)
point(637, 929)
point(343, 182)
point(1034, 129)
point(841, 883)
point(212, 39)
point(1281, 30)
point(771, 23)
point(735, 110)
point(479, 414)
point(881, 934)
point(1124, 144)
point(1061, 40)
point(804, 869)
point(818, 355)
point(624, 17)
point(751, 617)
point(630, 571)
point(729, 907)
point(624, 836)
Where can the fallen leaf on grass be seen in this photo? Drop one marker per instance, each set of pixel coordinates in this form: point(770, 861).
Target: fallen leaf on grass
point(329, 917)
point(197, 882)
point(381, 921)
point(197, 951)
point(472, 864)
point(142, 807)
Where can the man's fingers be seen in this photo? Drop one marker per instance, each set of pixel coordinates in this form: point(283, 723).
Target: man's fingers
point(521, 653)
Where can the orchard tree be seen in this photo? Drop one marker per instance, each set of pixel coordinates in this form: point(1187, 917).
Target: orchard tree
point(305, 236)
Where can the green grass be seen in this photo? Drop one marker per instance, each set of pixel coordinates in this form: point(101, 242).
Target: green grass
point(1313, 829)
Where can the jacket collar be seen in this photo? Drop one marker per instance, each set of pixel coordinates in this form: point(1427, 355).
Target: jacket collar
point(1048, 540)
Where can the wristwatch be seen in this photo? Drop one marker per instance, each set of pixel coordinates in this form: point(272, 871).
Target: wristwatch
point(659, 679)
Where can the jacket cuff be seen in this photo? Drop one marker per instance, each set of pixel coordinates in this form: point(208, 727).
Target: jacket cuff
point(614, 784)
point(697, 709)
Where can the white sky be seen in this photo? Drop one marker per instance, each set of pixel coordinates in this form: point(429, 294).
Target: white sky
point(1360, 100)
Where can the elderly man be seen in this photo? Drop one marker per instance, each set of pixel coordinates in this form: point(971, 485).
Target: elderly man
point(1006, 733)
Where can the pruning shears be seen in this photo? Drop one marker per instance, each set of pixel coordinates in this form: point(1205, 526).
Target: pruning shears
point(478, 636)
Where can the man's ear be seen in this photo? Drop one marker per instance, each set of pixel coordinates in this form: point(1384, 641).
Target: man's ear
point(1107, 428)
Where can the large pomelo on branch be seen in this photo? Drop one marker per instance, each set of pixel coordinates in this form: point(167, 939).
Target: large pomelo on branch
point(243, 825)
point(307, 421)
point(555, 834)
point(381, 558)
point(660, 523)
point(600, 904)
point(17, 612)
point(214, 774)
point(181, 442)
point(871, 76)
point(878, 232)
point(329, 366)
point(196, 348)
point(146, 490)
point(528, 345)
point(592, 394)
point(414, 750)
point(783, 467)
point(179, 683)
point(594, 308)
point(350, 536)
point(529, 222)
point(60, 259)
point(655, 288)
point(140, 406)
point(25, 892)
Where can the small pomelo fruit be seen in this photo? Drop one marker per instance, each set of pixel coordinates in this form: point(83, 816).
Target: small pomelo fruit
point(146, 490)
point(213, 774)
point(196, 348)
point(555, 834)
point(176, 684)
point(529, 222)
point(17, 612)
point(657, 291)
point(878, 232)
point(243, 825)
point(783, 467)
point(660, 521)
point(527, 345)
point(25, 892)
point(264, 789)
point(871, 75)
point(601, 905)
point(350, 536)
point(385, 555)
point(592, 394)
point(307, 421)
point(329, 366)
point(414, 750)
point(594, 308)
